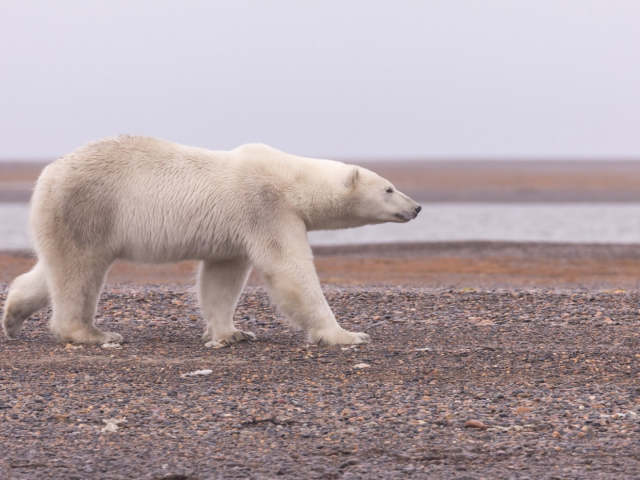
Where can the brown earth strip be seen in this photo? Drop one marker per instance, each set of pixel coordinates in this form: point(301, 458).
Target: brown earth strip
point(464, 264)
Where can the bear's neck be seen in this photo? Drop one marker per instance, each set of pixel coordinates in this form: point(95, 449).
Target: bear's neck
point(311, 189)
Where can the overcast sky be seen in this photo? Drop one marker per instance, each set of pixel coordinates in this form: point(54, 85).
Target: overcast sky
point(341, 79)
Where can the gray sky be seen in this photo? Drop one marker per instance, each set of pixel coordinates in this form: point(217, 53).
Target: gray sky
point(342, 79)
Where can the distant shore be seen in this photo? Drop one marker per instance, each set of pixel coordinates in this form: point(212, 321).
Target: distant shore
point(452, 180)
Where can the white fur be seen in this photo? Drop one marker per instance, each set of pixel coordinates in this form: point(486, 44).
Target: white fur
point(153, 201)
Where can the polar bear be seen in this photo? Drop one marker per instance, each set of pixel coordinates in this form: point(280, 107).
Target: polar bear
point(153, 201)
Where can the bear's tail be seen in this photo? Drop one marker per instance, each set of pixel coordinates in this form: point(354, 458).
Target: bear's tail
point(28, 294)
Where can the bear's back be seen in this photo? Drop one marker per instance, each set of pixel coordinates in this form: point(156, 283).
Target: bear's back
point(151, 199)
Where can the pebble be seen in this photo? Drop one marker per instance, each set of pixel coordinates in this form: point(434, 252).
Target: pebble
point(197, 373)
point(361, 365)
point(523, 410)
point(474, 424)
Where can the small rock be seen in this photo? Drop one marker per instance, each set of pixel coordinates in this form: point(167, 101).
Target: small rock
point(361, 365)
point(197, 373)
point(474, 424)
point(352, 461)
point(112, 424)
point(523, 410)
point(556, 434)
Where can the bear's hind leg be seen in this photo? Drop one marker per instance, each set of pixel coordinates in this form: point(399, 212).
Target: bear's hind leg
point(75, 287)
point(28, 294)
point(220, 286)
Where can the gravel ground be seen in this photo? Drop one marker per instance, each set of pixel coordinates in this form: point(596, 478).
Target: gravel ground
point(548, 378)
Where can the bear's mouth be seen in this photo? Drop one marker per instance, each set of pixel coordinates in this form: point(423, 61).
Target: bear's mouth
point(402, 217)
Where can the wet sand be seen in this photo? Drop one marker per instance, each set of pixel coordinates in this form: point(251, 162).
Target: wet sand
point(433, 265)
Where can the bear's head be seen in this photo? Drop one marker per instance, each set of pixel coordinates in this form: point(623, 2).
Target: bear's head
point(358, 197)
point(373, 199)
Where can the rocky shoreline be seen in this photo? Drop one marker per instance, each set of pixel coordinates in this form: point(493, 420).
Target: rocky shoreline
point(457, 383)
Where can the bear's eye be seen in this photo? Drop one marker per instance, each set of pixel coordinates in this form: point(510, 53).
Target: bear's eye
point(389, 190)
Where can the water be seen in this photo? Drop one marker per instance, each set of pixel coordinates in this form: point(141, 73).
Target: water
point(14, 234)
point(527, 222)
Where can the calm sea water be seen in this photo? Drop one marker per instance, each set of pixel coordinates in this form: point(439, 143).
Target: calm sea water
point(527, 222)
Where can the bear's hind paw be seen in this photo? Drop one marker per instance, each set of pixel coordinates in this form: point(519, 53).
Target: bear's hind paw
point(12, 326)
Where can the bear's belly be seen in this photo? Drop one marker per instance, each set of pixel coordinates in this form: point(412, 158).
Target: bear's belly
point(176, 245)
point(163, 235)
point(161, 252)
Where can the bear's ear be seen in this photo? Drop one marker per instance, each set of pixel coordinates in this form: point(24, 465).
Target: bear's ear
point(352, 177)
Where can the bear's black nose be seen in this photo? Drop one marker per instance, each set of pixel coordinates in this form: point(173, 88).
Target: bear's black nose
point(418, 208)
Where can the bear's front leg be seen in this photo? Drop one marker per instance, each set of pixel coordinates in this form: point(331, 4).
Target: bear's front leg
point(220, 286)
point(295, 288)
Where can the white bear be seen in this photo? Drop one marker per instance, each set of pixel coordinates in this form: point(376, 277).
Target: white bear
point(152, 201)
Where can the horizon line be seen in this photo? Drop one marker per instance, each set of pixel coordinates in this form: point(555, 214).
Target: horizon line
point(407, 159)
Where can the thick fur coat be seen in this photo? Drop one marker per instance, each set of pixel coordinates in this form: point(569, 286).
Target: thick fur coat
point(153, 201)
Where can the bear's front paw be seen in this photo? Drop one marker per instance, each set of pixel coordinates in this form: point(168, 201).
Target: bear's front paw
point(339, 337)
point(225, 339)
